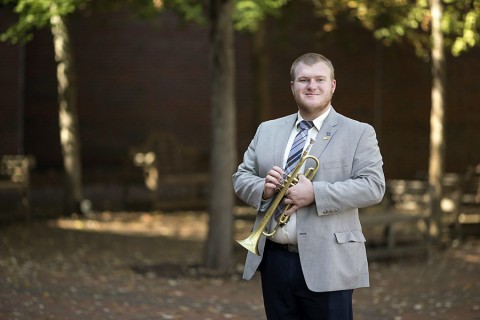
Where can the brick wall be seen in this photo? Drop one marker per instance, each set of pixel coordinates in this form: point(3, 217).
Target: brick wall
point(137, 77)
point(11, 107)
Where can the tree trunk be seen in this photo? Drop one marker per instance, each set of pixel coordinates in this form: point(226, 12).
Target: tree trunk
point(69, 136)
point(437, 119)
point(218, 254)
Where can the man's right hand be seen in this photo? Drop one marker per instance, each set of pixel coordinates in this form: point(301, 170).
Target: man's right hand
point(272, 180)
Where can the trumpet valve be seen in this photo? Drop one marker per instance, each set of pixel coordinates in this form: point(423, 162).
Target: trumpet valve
point(281, 184)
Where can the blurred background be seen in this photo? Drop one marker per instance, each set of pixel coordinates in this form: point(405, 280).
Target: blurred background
point(139, 80)
point(121, 123)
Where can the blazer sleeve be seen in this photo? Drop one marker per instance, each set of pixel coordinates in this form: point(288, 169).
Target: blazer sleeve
point(247, 183)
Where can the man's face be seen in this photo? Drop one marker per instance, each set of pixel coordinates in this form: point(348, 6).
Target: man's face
point(312, 89)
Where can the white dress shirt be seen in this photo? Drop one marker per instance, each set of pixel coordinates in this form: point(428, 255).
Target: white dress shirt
point(288, 234)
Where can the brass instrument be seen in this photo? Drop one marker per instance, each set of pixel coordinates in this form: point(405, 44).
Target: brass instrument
point(251, 242)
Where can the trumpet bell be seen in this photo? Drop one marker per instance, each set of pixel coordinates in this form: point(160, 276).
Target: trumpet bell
point(250, 244)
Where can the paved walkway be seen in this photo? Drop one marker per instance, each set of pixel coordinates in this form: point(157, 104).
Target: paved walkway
point(134, 270)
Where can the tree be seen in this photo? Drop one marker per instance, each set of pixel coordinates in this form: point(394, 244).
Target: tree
point(38, 14)
point(430, 26)
point(68, 116)
point(436, 166)
point(409, 21)
point(223, 156)
point(221, 16)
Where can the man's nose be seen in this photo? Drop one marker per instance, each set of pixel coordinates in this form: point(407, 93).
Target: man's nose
point(311, 83)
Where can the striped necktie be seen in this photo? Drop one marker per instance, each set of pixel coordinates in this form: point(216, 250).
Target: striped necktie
point(295, 154)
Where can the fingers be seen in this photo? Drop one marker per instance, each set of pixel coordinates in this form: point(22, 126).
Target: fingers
point(277, 173)
point(272, 180)
point(299, 195)
point(291, 210)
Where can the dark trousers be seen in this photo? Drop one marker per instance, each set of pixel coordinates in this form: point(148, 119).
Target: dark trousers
point(287, 297)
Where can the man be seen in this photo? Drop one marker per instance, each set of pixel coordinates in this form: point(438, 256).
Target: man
point(310, 267)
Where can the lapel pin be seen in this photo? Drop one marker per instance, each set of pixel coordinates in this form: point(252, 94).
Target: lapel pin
point(329, 134)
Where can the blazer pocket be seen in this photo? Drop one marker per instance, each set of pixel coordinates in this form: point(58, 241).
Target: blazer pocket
point(350, 236)
point(335, 164)
point(333, 171)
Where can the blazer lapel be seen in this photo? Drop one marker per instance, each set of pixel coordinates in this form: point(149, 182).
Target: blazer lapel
point(325, 135)
point(281, 139)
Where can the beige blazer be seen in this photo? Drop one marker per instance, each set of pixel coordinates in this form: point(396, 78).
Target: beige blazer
point(330, 239)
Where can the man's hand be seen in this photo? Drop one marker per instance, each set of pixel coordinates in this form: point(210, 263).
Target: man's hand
point(299, 195)
point(272, 180)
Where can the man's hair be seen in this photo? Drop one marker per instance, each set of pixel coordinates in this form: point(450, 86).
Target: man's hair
point(310, 59)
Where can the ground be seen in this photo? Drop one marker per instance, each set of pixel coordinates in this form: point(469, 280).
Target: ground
point(146, 266)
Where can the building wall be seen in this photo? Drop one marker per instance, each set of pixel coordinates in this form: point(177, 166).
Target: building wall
point(138, 77)
point(11, 106)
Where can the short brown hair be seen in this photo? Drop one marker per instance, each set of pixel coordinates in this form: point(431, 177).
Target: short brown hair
point(310, 59)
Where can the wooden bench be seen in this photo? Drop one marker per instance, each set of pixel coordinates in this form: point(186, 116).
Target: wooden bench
point(171, 172)
point(391, 224)
point(398, 226)
point(403, 217)
point(469, 203)
point(15, 177)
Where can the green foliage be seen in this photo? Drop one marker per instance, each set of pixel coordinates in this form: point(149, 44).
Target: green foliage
point(190, 10)
point(248, 13)
point(397, 20)
point(36, 14)
point(462, 18)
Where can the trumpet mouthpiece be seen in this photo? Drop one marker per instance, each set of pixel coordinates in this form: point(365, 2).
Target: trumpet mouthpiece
point(312, 141)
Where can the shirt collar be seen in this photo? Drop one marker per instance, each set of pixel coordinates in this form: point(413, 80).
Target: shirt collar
point(318, 121)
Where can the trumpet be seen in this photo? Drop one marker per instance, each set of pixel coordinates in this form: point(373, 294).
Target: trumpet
point(251, 242)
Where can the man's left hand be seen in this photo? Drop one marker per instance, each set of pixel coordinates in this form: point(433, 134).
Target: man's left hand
point(299, 195)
